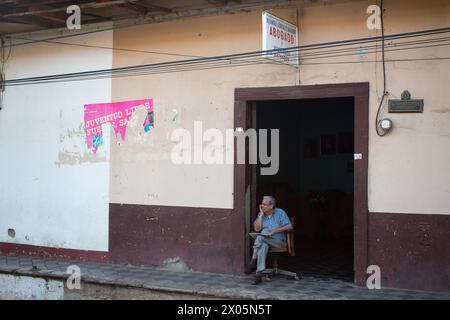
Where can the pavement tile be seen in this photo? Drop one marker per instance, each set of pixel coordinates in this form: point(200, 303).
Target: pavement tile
point(8, 268)
point(219, 285)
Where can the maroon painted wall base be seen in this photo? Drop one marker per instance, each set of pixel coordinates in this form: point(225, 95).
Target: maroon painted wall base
point(148, 235)
point(57, 253)
point(412, 250)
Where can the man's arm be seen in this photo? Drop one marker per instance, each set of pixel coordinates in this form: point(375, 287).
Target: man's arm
point(281, 229)
point(257, 225)
point(285, 223)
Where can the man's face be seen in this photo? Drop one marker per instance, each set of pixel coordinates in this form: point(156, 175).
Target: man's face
point(266, 206)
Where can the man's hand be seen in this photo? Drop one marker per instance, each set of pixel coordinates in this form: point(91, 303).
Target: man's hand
point(261, 212)
point(282, 229)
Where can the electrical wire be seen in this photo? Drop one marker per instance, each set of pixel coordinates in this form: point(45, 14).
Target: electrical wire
point(374, 48)
point(385, 93)
point(113, 48)
point(155, 68)
point(224, 65)
point(429, 31)
point(305, 47)
point(369, 52)
point(258, 57)
point(404, 43)
point(206, 67)
point(377, 61)
point(319, 54)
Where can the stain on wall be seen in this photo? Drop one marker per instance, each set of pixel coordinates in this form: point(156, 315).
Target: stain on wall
point(75, 158)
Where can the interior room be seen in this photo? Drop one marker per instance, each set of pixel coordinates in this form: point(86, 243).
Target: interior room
point(314, 183)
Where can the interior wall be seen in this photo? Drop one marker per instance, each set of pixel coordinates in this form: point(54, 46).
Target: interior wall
point(314, 185)
point(284, 116)
point(325, 169)
point(301, 124)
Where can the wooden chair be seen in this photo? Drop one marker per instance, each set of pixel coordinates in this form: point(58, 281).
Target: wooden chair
point(290, 250)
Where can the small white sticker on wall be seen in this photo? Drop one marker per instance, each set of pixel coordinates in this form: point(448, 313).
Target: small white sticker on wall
point(358, 156)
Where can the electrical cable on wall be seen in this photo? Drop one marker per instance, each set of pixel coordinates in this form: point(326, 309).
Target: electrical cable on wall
point(385, 93)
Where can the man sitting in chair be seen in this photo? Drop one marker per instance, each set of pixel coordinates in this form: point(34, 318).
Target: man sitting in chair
point(271, 224)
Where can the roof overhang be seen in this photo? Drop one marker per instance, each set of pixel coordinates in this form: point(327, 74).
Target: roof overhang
point(17, 16)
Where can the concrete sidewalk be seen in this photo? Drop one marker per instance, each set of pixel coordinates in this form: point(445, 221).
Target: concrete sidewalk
point(112, 281)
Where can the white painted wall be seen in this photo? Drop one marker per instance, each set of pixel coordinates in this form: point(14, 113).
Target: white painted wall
point(52, 191)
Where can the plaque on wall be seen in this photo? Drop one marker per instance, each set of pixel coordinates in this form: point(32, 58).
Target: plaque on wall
point(405, 104)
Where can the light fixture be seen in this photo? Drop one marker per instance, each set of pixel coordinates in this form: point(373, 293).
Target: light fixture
point(385, 125)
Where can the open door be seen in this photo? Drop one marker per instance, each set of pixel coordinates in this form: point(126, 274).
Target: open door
point(245, 193)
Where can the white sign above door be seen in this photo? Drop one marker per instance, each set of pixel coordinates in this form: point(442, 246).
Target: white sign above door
point(279, 35)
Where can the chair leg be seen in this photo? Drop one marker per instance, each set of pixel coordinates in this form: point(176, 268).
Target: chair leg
point(289, 274)
point(276, 270)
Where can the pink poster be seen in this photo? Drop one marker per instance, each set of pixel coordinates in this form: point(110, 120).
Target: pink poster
point(117, 114)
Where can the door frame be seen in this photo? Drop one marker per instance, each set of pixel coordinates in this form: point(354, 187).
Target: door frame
point(244, 176)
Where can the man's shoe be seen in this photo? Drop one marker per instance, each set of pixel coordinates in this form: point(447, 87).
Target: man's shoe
point(258, 279)
point(251, 267)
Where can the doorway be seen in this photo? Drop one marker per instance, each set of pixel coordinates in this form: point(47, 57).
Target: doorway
point(314, 181)
point(323, 128)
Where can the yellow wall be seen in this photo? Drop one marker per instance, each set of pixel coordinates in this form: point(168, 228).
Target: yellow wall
point(408, 169)
point(143, 173)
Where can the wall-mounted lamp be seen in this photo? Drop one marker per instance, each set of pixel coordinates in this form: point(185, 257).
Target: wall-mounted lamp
point(385, 125)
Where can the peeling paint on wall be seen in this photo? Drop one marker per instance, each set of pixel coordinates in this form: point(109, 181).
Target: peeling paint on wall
point(176, 265)
point(75, 158)
point(117, 114)
point(72, 150)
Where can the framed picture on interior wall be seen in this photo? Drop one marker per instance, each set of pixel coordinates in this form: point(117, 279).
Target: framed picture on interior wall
point(345, 142)
point(327, 144)
point(309, 148)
